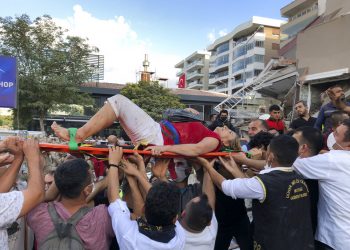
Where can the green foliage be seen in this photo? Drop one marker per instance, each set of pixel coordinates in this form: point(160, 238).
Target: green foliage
point(6, 120)
point(151, 97)
point(51, 65)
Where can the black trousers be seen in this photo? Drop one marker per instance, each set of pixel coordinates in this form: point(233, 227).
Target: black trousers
point(321, 246)
point(240, 229)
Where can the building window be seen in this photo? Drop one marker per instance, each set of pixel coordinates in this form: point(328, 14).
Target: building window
point(222, 60)
point(257, 72)
point(259, 44)
point(223, 48)
point(258, 58)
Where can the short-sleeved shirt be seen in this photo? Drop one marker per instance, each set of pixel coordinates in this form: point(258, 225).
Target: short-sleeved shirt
point(129, 237)
point(204, 240)
point(10, 207)
point(191, 133)
point(332, 169)
point(301, 122)
point(94, 229)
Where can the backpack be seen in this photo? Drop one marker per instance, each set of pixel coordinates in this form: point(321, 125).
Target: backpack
point(180, 115)
point(65, 235)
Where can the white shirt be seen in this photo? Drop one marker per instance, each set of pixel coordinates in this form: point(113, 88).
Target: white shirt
point(129, 237)
point(247, 188)
point(10, 206)
point(204, 240)
point(333, 172)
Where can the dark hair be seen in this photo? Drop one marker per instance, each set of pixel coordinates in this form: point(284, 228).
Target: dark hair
point(312, 137)
point(261, 139)
point(347, 133)
point(162, 204)
point(223, 111)
point(71, 177)
point(285, 148)
point(337, 117)
point(274, 107)
point(198, 214)
point(301, 101)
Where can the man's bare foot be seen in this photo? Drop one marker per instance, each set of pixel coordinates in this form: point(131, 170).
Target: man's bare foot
point(60, 132)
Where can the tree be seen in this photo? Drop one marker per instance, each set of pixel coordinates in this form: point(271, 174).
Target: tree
point(151, 97)
point(51, 65)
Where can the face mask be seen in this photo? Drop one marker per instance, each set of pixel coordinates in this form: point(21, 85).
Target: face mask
point(331, 141)
point(223, 119)
point(182, 169)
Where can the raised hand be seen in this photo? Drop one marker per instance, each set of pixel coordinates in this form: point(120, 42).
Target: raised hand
point(129, 168)
point(160, 168)
point(115, 155)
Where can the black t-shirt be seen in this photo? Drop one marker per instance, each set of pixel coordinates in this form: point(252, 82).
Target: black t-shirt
point(301, 122)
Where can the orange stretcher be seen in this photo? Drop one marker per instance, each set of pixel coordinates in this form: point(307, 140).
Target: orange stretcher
point(104, 151)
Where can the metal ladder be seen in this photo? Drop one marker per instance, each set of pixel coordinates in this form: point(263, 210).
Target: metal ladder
point(243, 93)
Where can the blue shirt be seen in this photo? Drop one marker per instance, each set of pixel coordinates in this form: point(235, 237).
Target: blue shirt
point(324, 117)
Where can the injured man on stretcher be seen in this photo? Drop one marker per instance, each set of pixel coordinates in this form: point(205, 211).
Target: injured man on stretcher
point(190, 138)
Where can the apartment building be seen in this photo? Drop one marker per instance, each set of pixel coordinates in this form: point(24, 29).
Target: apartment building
point(195, 67)
point(300, 14)
point(238, 57)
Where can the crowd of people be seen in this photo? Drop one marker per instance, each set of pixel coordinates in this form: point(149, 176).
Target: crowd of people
point(296, 177)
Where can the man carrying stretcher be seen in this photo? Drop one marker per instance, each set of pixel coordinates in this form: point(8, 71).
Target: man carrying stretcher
point(184, 138)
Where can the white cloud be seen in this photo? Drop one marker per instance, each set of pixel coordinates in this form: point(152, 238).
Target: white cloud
point(123, 50)
point(222, 32)
point(213, 35)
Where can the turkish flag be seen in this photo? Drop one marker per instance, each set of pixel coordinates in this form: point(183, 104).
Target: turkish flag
point(182, 82)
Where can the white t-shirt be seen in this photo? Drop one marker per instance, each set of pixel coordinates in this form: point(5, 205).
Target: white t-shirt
point(129, 237)
point(10, 206)
point(333, 172)
point(204, 240)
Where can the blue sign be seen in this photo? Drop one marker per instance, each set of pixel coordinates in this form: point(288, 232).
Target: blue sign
point(8, 82)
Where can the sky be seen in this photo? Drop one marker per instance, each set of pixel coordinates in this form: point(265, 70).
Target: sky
point(125, 30)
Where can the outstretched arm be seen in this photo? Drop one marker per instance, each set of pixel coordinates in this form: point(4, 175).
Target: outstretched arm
point(115, 156)
point(208, 144)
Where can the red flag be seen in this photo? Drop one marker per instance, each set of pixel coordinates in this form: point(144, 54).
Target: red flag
point(182, 81)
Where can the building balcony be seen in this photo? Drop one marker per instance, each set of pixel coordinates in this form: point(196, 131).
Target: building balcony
point(296, 7)
point(194, 75)
point(195, 65)
point(179, 73)
point(195, 85)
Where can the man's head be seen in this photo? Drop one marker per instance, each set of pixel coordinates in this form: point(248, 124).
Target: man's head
point(212, 117)
point(256, 126)
point(301, 108)
point(335, 92)
point(282, 151)
point(310, 141)
point(73, 179)
point(162, 204)
point(223, 115)
point(112, 140)
point(197, 214)
point(182, 168)
point(342, 136)
point(275, 112)
point(337, 118)
point(261, 140)
point(48, 179)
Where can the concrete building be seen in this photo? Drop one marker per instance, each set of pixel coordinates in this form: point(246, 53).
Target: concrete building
point(238, 57)
point(318, 42)
point(196, 68)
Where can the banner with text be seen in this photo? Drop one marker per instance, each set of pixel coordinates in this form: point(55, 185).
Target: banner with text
point(8, 82)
